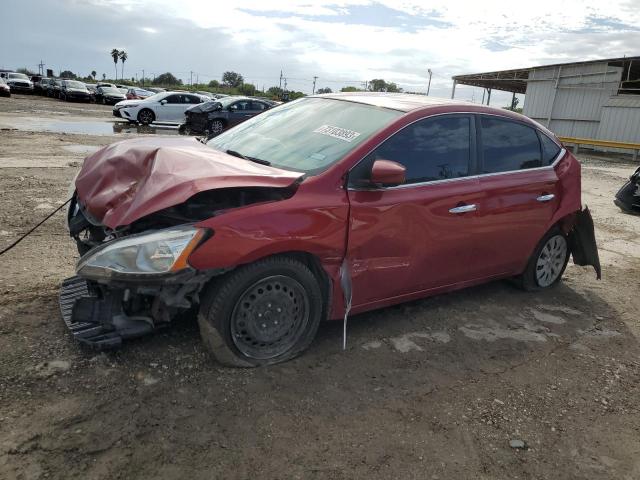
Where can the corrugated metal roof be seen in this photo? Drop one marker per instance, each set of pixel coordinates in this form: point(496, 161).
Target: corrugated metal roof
point(629, 101)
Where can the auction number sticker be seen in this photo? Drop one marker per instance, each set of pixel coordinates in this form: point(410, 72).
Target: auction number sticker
point(337, 132)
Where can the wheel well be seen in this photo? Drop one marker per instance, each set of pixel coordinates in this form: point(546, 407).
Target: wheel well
point(314, 265)
point(147, 109)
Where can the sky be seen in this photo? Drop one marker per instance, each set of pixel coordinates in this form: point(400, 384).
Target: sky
point(343, 43)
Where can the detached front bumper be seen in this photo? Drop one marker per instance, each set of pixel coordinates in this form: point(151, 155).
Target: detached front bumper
point(102, 315)
point(95, 321)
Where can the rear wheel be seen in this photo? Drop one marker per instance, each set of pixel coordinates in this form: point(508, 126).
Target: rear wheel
point(548, 262)
point(260, 314)
point(146, 116)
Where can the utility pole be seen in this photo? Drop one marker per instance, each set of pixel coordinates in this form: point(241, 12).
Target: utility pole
point(314, 85)
point(143, 77)
point(429, 85)
point(191, 78)
point(285, 84)
point(280, 86)
point(41, 68)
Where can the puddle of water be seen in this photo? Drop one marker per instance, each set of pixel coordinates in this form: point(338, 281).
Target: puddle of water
point(83, 149)
point(88, 127)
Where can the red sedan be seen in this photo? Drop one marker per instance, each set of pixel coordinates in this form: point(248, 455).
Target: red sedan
point(319, 208)
point(138, 94)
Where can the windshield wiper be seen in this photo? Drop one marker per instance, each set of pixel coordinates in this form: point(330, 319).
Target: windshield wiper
point(251, 159)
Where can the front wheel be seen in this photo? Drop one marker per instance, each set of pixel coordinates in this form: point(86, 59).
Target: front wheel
point(260, 314)
point(216, 127)
point(548, 262)
point(146, 116)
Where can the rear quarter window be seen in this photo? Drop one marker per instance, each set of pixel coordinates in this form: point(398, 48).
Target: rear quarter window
point(550, 149)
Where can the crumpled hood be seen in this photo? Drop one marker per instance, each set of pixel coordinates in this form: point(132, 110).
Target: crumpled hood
point(128, 180)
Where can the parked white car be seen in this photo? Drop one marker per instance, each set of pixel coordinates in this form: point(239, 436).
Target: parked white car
point(165, 107)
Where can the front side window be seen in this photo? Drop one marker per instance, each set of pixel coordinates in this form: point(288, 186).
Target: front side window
point(173, 99)
point(508, 146)
point(432, 149)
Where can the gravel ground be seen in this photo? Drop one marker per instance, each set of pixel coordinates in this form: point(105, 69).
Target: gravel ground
point(485, 383)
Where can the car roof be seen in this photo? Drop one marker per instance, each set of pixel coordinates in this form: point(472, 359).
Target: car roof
point(405, 102)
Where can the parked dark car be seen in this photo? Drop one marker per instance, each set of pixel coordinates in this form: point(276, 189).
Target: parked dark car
point(93, 89)
point(212, 118)
point(43, 86)
point(109, 95)
point(5, 91)
point(628, 197)
point(321, 208)
point(53, 90)
point(19, 82)
point(74, 90)
point(38, 82)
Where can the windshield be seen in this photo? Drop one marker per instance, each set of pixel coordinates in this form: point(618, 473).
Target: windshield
point(307, 135)
point(21, 76)
point(72, 84)
point(110, 90)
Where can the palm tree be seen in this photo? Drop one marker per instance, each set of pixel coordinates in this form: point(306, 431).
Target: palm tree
point(93, 74)
point(115, 53)
point(123, 57)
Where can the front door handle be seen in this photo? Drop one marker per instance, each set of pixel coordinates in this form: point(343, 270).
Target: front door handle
point(463, 209)
point(546, 198)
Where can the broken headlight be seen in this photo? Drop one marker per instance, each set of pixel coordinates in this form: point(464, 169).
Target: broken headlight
point(145, 254)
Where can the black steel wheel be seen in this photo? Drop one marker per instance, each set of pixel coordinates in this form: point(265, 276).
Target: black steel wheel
point(146, 116)
point(263, 313)
point(268, 317)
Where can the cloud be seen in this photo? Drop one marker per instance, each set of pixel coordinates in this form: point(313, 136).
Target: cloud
point(343, 42)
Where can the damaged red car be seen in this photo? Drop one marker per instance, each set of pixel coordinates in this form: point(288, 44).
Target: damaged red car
point(321, 207)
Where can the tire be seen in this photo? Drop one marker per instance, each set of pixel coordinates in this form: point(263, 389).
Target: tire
point(548, 262)
point(146, 116)
point(263, 313)
point(216, 127)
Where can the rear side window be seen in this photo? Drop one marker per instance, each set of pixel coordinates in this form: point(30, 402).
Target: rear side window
point(508, 146)
point(431, 149)
point(550, 149)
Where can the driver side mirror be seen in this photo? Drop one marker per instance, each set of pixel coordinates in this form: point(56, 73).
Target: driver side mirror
point(233, 108)
point(388, 173)
point(163, 102)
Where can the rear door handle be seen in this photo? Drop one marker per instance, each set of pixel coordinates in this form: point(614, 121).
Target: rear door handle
point(463, 209)
point(546, 198)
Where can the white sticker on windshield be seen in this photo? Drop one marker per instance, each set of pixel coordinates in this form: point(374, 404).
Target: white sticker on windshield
point(337, 132)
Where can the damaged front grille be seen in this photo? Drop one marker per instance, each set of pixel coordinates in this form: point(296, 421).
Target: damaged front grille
point(73, 289)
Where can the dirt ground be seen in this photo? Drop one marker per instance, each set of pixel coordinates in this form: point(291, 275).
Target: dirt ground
point(433, 389)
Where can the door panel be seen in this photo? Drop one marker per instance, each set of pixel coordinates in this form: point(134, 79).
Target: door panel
point(521, 195)
point(405, 240)
point(512, 220)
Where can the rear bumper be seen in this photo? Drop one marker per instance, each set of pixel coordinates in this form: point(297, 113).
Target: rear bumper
point(582, 241)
